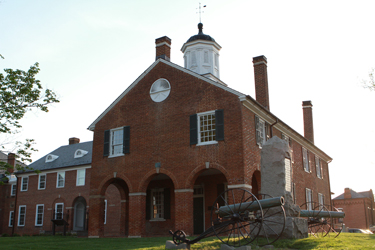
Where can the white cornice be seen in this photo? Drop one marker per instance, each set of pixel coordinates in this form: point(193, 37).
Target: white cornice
point(55, 170)
point(163, 43)
point(197, 42)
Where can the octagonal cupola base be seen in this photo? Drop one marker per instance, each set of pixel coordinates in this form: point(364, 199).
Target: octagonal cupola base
point(201, 55)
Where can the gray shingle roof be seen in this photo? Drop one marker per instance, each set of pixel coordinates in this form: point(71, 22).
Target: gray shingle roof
point(355, 195)
point(65, 157)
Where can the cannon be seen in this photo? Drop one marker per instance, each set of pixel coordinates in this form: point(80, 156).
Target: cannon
point(321, 221)
point(239, 217)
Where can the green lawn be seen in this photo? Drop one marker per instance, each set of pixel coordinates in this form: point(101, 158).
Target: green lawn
point(344, 241)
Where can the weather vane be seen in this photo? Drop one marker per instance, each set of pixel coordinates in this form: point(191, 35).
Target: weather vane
point(200, 12)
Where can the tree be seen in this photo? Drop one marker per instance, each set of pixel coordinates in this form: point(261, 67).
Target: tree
point(370, 83)
point(20, 92)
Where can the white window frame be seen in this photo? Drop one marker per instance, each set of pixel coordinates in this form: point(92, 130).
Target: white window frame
point(111, 144)
point(13, 189)
point(81, 178)
point(159, 216)
point(11, 219)
point(37, 214)
point(321, 199)
point(19, 216)
point(213, 124)
point(62, 211)
point(318, 167)
point(305, 160)
point(105, 212)
point(23, 182)
point(62, 173)
point(309, 199)
point(45, 181)
point(260, 132)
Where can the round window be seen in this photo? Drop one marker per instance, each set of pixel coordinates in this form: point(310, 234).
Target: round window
point(160, 90)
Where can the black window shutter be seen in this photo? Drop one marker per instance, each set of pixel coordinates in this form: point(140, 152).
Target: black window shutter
point(219, 119)
point(148, 204)
point(257, 133)
point(126, 141)
point(193, 129)
point(106, 143)
point(167, 203)
point(220, 188)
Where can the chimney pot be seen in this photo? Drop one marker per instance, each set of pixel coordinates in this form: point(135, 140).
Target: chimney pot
point(261, 81)
point(308, 124)
point(74, 140)
point(11, 161)
point(163, 48)
point(347, 194)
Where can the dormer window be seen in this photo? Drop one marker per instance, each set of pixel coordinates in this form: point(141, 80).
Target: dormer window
point(80, 153)
point(51, 158)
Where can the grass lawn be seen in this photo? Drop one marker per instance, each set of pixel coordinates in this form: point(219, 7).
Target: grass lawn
point(344, 241)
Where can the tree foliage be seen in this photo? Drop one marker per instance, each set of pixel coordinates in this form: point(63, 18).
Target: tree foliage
point(370, 83)
point(20, 92)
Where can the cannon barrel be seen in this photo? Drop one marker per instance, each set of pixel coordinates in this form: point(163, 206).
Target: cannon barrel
point(250, 206)
point(321, 214)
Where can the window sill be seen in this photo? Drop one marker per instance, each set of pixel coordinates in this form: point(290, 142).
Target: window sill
point(158, 219)
point(113, 156)
point(59, 187)
point(206, 143)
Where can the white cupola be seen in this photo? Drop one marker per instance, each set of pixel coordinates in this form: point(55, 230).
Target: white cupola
point(201, 55)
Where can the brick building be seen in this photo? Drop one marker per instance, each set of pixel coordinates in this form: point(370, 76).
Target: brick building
point(178, 136)
point(359, 208)
point(166, 147)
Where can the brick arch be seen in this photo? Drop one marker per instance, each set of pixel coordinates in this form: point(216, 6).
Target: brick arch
point(148, 177)
point(58, 200)
point(78, 198)
point(189, 184)
point(109, 179)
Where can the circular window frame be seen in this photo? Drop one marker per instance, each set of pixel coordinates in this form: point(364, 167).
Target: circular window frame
point(160, 95)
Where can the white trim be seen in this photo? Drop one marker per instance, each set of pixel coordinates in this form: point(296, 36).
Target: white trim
point(105, 212)
point(261, 62)
point(184, 190)
point(19, 216)
point(11, 214)
point(11, 189)
point(84, 177)
point(137, 194)
point(62, 210)
point(53, 157)
point(45, 181)
point(240, 186)
point(27, 187)
point(51, 171)
point(57, 179)
point(36, 215)
point(161, 44)
point(82, 153)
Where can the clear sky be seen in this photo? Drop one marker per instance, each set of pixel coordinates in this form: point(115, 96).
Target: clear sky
point(91, 51)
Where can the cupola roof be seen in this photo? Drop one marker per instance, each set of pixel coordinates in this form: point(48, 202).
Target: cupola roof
point(200, 35)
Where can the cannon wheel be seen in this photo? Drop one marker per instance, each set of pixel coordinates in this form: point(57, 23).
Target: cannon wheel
point(335, 232)
point(179, 237)
point(318, 227)
point(273, 223)
point(236, 228)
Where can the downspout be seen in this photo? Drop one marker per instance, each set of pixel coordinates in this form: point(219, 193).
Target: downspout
point(15, 206)
point(271, 126)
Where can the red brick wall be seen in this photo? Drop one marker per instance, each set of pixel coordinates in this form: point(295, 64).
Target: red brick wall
point(357, 214)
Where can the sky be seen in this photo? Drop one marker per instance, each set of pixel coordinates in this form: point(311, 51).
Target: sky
point(90, 51)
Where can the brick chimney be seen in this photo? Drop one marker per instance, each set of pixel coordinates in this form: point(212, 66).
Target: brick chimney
point(73, 140)
point(347, 194)
point(163, 48)
point(308, 121)
point(261, 81)
point(11, 161)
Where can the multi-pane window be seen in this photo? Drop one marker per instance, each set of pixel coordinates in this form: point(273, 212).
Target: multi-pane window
point(25, 183)
point(260, 131)
point(318, 167)
point(309, 204)
point(59, 209)
point(13, 190)
point(81, 177)
point(42, 181)
point(11, 218)
point(60, 182)
point(306, 162)
point(157, 202)
point(207, 128)
point(39, 215)
point(321, 199)
point(22, 215)
point(117, 137)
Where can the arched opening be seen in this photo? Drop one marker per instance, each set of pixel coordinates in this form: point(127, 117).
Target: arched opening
point(160, 205)
point(256, 183)
point(209, 184)
point(116, 208)
point(80, 218)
